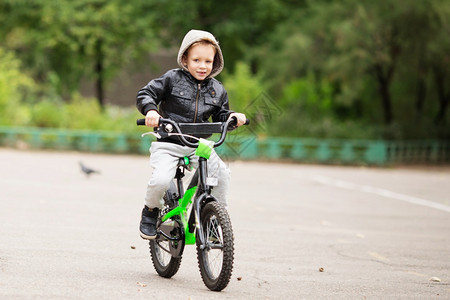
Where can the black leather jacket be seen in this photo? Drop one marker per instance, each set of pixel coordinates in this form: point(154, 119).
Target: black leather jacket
point(178, 96)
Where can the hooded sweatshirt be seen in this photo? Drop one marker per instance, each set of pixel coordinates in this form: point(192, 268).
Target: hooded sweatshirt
point(194, 36)
point(178, 96)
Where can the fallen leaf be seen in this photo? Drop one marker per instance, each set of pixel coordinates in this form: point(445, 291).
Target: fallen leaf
point(239, 278)
point(133, 247)
point(435, 279)
point(321, 270)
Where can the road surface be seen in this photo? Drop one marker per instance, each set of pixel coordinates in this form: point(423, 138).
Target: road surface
point(301, 231)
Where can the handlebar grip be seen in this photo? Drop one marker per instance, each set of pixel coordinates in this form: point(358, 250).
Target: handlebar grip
point(233, 122)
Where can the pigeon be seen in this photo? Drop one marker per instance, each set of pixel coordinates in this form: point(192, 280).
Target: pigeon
point(88, 171)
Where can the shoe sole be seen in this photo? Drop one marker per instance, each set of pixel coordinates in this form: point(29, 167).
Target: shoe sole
point(147, 237)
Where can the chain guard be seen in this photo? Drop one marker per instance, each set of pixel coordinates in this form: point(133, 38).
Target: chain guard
point(172, 232)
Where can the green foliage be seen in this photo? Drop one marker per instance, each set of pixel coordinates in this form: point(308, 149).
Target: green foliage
point(312, 96)
point(242, 87)
point(86, 114)
point(47, 113)
point(350, 68)
point(387, 61)
point(83, 113)
point(308, 108)
point(14, 87)
point(76, 39)
point(295, 123)
point(239, 25)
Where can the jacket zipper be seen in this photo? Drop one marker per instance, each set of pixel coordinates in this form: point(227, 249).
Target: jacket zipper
point(196, 102)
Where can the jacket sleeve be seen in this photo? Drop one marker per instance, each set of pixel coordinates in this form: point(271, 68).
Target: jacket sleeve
point(224, 112)
point(149, 97)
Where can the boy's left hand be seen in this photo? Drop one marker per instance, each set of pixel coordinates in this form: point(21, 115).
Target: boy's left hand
point(240, 118)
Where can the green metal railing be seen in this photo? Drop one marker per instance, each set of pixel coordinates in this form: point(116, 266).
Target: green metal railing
point(331, 151)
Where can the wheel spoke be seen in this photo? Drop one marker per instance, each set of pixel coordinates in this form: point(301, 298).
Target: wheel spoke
point(166, 254)
point(216, 259)
point(162, 253)
point(214, 237)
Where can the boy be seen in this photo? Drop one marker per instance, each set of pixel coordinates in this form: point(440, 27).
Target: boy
point(189, 94)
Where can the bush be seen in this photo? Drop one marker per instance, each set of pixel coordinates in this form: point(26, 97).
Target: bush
point(242, 87)
point(47, 113)
point(15, 86)
point(308, 110)
point(82, 113)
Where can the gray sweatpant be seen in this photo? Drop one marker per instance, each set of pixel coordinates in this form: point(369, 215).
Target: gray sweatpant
point(164, 159)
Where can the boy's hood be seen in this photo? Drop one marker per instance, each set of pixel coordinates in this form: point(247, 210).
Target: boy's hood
point(197, 35)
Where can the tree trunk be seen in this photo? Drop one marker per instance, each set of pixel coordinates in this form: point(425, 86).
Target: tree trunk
point(443, 96)
point(99, 70)
point(384, 81)
point(420, 95)
point(421, 84)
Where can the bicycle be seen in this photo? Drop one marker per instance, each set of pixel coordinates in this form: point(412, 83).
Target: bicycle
point(194, 216)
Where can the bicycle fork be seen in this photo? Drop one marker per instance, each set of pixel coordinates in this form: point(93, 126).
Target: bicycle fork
point(202, 198)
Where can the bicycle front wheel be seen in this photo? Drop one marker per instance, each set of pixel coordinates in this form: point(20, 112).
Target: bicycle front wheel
point(216, 259)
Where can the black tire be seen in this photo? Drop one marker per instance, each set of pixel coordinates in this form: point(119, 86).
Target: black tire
point(216, 264)
point(165, 264)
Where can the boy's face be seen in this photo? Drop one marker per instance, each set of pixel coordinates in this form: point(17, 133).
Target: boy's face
point(199, 60)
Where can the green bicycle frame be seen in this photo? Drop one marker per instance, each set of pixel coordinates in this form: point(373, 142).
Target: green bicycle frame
point(181, 210)
point(203, 150)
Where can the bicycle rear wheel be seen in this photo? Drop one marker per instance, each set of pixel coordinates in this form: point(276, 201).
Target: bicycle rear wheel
point(166, 254)
point(164, 263)
point(216, 259)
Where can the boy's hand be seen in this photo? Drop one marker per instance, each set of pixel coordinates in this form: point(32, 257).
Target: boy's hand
point(240, 118)
point(152, 118)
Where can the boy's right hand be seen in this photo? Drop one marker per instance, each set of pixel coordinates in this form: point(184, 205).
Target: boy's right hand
point(152, 118)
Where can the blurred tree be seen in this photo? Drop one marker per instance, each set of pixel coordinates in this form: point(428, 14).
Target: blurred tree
point(15, 85)
point(242, 87)
point(364, 47)
point(385, 62)
point(63, 41)
point(239, 25)
point(439, 57)
point(72, 39)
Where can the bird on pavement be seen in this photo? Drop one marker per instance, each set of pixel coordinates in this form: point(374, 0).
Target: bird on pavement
point(88, 171)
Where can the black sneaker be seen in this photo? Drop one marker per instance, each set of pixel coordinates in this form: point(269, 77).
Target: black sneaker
point(148, 223)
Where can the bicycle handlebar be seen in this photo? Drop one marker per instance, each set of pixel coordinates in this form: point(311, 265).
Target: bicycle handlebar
point(141, 122)
point(209, 128)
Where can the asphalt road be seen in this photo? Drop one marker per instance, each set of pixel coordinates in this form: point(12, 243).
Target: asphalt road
point(373, 232)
